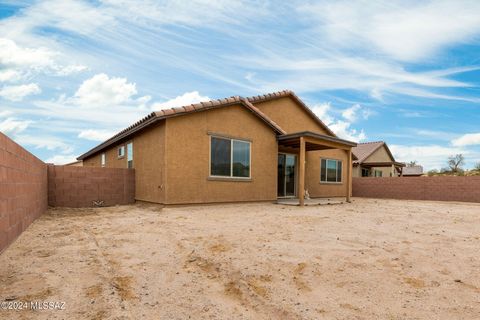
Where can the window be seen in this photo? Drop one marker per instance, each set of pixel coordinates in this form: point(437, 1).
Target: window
point(130, 155)
point(378, 173)
point(365, 172)
point(121, 151)
point(330, 170)
point(229, 158)
point(104, 160)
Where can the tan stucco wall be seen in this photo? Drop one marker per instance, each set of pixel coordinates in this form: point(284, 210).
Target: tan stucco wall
point(111, 156)
point(290, 116)
point(148, 162)
point(312, 174)
point(188, 151)
point(380, 155)
point(357, 171)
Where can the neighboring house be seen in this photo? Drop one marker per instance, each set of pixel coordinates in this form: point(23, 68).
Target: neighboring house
point(374, 159)
point(413, 171)
point(235, 149)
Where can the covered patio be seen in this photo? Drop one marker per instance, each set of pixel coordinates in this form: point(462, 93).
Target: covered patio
point(305, 141)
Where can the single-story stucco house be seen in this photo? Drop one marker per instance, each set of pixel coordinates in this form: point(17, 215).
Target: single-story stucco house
point(374, 159)
point(235, 149)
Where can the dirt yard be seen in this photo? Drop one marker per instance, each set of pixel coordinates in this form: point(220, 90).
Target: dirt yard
point(372, 259)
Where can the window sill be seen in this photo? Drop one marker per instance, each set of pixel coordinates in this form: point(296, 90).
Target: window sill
point(229, 179)
point(120, 157)
point(336, 183)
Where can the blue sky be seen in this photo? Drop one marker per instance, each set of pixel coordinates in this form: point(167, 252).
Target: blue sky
point(72, 73)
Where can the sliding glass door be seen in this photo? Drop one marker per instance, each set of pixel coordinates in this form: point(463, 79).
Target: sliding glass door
point(287, 174)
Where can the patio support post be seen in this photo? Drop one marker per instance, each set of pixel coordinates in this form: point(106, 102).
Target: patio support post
point(301, 178)
point(349, 174)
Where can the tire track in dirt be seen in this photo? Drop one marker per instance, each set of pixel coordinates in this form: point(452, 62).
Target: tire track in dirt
point(247, 290)
point(120, 287)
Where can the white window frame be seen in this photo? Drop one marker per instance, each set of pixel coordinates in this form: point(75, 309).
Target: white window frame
point(130, 156)
point(336, 171)
point(103, 159)
point(121, 152)
point(231, 158)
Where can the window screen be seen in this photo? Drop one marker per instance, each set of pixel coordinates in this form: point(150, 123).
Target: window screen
point(229, 158)
point(220, 157)
point(330, 170)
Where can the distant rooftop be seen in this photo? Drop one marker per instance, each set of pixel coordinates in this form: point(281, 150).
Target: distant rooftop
point(413, 171)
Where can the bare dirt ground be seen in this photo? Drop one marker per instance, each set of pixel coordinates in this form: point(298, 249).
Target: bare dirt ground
point(372, 259)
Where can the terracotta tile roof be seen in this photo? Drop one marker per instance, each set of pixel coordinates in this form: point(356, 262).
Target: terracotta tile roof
point(363, 150)
point(289, 93)
point(172, 112)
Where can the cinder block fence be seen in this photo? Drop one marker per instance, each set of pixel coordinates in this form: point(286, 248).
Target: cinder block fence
point(23, 190)
point(443, 188)
point(28, 186)
point(78, 187)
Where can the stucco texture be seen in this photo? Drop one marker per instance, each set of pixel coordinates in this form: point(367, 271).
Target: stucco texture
point(290, 116)
point(188, 153)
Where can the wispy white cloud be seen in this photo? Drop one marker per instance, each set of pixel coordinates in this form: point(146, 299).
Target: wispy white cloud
point(61, 159)
point(322, 110)
point(356, 112)
point(340, 127)
point(12, 55)
point(5, 113)
point(9, 75)
point(429, 156)
point(95, 135)
point(17, 93)
point(182, 100)
point(44, 142)
point(407, 32)
point(20, 62)
point(70, 69)
point(344, 130)
point(12, 126)
point(468, 139)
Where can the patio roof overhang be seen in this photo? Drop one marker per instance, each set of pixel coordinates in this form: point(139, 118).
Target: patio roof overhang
point(382, 164)
point(314, 141)
point(308, 141)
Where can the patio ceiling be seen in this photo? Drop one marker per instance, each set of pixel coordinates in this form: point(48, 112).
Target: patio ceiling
point(314, 141)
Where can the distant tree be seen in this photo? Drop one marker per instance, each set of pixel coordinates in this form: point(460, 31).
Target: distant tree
point(456, 163)
point(477, 166)
point(444, 170)
point(412, 163)
point(433, 172)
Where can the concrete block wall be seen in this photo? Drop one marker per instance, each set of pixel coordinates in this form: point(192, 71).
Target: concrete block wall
point(23, 190)
point(78, 187)
point(444, 188)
